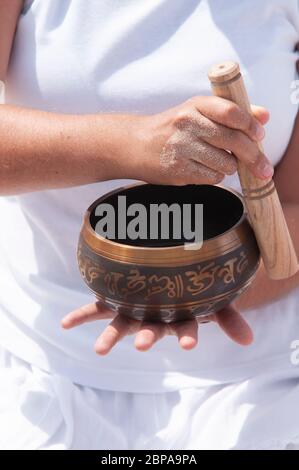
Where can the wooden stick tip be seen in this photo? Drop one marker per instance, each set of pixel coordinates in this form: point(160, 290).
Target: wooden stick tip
point(224, 71)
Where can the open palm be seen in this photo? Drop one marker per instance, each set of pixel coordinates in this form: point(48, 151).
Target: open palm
point(147, 334)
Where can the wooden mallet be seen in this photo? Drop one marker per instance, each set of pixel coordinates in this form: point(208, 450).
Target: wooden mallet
point(261, 198)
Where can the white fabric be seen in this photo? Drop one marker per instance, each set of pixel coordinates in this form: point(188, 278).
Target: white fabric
point(138, 56)
point(45, 411)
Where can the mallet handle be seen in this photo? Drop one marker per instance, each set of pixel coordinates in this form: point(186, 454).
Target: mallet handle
point(261, 198)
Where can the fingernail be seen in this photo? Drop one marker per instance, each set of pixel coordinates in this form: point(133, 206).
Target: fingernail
point(259, 132)
point(265, 169)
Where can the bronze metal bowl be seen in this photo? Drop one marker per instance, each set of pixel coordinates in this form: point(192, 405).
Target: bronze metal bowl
point(158, 280)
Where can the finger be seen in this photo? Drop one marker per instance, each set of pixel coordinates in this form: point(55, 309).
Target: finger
point(196, 173)
point(229, 114)
point(216, 159)
point(261, 114)
point(85, 314)
point(234, 325)
point(239, 144)
point(200, 151)
point(186, 332)
point(148, 335)
point(118, 328)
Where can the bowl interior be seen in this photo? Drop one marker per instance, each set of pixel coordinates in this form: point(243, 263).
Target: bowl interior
point(222, 210)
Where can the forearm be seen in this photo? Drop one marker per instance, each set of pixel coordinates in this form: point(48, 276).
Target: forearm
point(40, 150)
point(264, 290)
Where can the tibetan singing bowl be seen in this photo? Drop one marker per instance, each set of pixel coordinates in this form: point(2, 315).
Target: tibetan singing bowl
point(164, 279)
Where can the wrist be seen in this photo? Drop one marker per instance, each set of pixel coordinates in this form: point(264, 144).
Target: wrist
point(88, 141)
point(102, 147)
point(123, 143)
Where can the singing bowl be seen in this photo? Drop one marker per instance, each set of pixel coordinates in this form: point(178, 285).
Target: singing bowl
point(161, 280)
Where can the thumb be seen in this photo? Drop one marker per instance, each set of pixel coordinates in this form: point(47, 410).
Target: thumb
point(234, 325)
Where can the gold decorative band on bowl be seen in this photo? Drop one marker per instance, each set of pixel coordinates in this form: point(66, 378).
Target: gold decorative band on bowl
point(218, 297)
point(173, 256)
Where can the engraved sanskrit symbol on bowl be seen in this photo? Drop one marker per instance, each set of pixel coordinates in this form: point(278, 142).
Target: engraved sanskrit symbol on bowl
point(195, 282)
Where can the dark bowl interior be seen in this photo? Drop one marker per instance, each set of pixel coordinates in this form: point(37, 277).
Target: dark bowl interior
point(222, 209)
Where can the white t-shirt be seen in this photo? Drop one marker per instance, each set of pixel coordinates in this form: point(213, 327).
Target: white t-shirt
point(140, 56)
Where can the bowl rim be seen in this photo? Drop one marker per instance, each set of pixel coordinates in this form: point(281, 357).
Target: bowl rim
point(230, 239)
point(173, 255)
point(134, 185)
